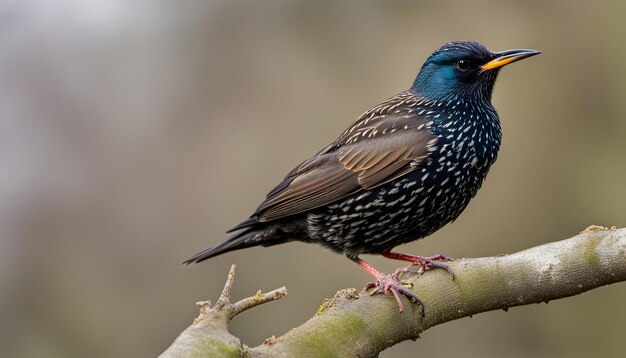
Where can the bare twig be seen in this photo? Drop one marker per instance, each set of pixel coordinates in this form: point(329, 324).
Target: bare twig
point(258, 299)
point(208, 336)
point(246, 303)
point(225, 296)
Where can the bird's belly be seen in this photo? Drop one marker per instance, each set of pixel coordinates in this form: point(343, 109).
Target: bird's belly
point(398, 212)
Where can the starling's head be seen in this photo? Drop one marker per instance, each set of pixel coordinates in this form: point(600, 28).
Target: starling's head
point(463, 69)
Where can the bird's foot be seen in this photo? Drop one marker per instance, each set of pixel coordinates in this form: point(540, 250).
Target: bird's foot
point(424, 263)
point(386, 284)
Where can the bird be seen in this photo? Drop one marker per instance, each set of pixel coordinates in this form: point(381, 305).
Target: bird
point(400, 172)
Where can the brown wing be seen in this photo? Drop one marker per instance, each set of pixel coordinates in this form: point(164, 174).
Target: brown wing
point(385, 143)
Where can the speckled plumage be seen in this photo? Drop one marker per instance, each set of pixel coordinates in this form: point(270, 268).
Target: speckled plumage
point(404, 169)
point(425, 199)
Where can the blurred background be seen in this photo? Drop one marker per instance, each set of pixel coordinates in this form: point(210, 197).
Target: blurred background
point(133, 134)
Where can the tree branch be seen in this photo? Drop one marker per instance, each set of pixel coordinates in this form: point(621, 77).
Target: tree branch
point(355, 324)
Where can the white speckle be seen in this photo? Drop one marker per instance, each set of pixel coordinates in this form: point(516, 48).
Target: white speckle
point(410, 201)
point(409, 184)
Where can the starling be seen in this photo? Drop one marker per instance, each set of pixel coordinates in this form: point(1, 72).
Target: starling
point(403, 170)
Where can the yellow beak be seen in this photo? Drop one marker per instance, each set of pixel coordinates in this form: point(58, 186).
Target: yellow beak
point(509, 56)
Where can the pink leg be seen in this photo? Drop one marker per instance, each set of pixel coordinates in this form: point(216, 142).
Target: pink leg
point(388, 283)
point(425, 263)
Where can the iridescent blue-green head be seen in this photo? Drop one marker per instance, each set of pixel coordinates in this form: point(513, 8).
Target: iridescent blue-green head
point(463, 69)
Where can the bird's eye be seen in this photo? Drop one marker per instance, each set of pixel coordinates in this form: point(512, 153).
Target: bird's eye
point(463, 65)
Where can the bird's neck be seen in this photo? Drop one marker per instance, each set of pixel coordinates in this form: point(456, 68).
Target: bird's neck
point(457, 102)
point(481, 97)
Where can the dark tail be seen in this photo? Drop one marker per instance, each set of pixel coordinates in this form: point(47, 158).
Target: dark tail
point(246, 238)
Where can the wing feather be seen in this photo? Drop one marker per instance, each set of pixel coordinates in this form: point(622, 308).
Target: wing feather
point(378, 148)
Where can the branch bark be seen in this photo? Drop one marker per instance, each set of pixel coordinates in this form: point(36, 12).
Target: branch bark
point(354, 324)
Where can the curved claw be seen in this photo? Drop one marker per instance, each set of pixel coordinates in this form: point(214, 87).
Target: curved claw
point(432, 264)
